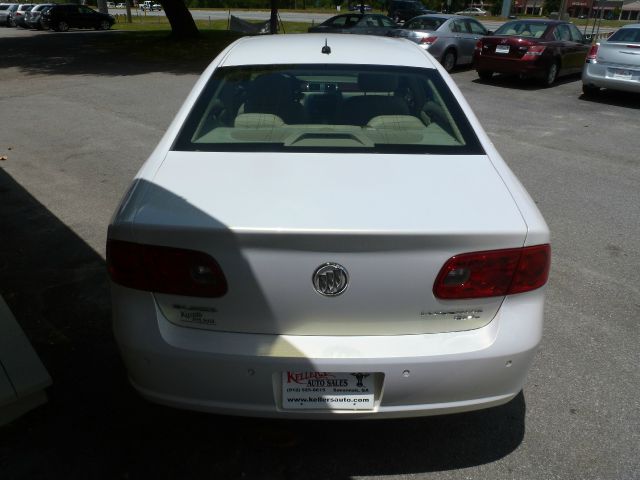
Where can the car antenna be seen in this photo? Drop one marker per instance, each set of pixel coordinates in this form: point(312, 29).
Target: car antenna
point(326, 49)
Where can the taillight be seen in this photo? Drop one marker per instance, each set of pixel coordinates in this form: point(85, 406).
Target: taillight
point(593, 53)
point(428, 40)
point(478, 45)
point(533, 52)
point(493, 273)
point(169, 270)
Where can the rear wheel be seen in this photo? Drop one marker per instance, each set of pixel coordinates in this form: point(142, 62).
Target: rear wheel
point(449, 60)
point(551, 75)
point(485, 74)
point(590, 91)
point(62, 26)
point(104, 25)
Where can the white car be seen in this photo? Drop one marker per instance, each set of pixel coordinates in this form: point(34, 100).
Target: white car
point(326, 231)
point(614, 63)
point(473, 11)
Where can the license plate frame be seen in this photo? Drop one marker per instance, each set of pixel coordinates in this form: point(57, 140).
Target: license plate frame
point(503, 49)
point(311, 390)
point(621, 73)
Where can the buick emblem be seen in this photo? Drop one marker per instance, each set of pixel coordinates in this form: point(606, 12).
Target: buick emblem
point(330, 279)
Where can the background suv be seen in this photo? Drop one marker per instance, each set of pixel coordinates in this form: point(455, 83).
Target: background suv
point(62, 17)
point(403, 10)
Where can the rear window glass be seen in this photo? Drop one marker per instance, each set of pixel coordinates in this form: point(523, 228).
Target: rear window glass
point(522, 29)
point(626, 35)
point(431, 23)
point(327, 108)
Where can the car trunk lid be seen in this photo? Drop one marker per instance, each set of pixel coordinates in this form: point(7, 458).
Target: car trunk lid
point(272, 220)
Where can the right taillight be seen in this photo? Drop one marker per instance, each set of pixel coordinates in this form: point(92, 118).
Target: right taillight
point(168, 270)
point(428, 40)
point(593, 53)
point(493, 273)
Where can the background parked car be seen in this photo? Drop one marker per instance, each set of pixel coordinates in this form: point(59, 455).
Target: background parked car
point(357, 7)
point(451, 39)
point(403, 10)
point(473, 11)
point(16, 17)
point(33, 18)
point(65, 16)
point(367, 24)
point(5, 12)
point(614, 63)
point(544, 49)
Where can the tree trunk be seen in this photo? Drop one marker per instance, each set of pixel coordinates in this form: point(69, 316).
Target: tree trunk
point(182, 23)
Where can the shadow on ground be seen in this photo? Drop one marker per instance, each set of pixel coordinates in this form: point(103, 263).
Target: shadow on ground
point(115, 53)
point(96, 427)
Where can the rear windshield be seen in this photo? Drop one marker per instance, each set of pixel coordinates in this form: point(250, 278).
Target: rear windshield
point(430, 23)
point(626, 35)
point(327, 108)
point(523, 29)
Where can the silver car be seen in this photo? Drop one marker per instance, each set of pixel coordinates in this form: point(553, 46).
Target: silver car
point(449, 38)
point(33, 18)
point(614, 63)
point(6, 9)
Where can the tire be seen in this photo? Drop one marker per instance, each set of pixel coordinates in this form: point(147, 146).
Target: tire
point(449, 60)
point(551, 75)
point(11, 22)
point(104, 25)
point(590, 91)
point(485, 74)
point(62, 26)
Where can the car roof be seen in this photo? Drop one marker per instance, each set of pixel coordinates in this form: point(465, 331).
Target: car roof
point(307, 49)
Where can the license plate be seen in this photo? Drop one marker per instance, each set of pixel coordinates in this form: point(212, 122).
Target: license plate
point(502, 48)
point(327, 390)
point(620, 73)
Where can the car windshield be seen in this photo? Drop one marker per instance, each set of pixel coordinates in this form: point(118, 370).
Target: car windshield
point(327, 108)
point(626, 35)
point(523, 29)
point(430, 23)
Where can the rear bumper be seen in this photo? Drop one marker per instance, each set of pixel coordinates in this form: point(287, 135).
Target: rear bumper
point(240, 374)
point(532, 68)
point(597, 75)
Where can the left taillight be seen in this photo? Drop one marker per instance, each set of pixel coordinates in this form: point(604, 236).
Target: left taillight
point(169, 270)
point(593, 53)
point(493, 273)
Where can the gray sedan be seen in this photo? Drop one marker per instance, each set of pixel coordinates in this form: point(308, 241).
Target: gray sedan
point(614, 63)
point(449, 38)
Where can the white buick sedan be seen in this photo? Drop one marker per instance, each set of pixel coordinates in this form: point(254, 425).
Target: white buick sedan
point(326, 231)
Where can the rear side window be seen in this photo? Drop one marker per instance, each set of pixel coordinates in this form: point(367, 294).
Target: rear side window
point(626, 35)
point(327, 108)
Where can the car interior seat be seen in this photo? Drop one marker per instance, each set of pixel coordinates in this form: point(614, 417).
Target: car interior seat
point(378, 99)
point(276, 94)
